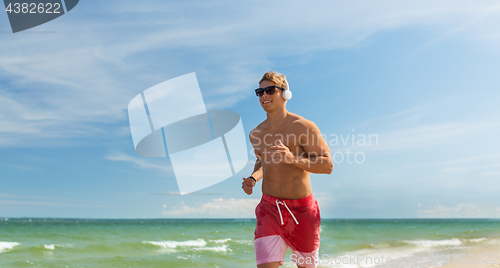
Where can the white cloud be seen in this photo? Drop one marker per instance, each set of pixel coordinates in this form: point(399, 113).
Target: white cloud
point(416, 137)
point(485, 164)
point(216, 208)
point(411, 114)
point(326, 200)
point(59, 84)
point(20, 200)
point(462, 210)
point(429, 135)
point(142, 162)
point(408, 129)
point(490, 173)
point(44, 203)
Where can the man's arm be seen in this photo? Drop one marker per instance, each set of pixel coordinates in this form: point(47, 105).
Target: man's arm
point(257, 171)
point(320, 164)
point(249, 183)
point(317, 159)
point(257, 174)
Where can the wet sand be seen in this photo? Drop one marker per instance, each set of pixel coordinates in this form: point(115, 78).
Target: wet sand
point(477, 257)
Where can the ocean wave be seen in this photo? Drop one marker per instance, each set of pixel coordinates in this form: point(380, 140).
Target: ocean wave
point(198, 245)
point(476, 240)
point(244, 242)
point(5, 246)
point(493, 242)
point(174, 244)
point(53, 246)
point(222, 248)
point(220, 241)
point(390, 251)
point(434, 243)
point(382, 257)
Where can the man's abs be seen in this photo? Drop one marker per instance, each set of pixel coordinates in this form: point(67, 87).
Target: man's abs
point(286, 183)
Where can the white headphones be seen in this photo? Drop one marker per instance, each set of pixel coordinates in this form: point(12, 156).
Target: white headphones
point(287, 94)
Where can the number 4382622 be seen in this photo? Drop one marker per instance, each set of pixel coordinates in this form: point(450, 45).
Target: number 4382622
point(33, 8)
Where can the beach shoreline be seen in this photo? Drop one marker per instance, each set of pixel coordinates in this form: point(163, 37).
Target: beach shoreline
point(480, 256)
point(213, 242)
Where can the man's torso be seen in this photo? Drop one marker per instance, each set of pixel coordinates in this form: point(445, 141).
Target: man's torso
point(280, 179)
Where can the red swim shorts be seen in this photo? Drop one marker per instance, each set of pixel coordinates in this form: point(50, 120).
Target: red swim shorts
point(283, 223)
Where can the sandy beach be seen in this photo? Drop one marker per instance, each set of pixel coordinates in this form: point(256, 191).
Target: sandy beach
point(476, 257)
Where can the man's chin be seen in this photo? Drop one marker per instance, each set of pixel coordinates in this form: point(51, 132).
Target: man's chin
point(267, 109)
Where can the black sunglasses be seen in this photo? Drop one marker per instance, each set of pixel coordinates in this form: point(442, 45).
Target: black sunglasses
point(269, 90)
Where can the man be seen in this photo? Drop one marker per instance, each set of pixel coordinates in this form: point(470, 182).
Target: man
point(288, 148)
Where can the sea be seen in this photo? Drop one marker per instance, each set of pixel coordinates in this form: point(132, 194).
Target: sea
point(39, 242)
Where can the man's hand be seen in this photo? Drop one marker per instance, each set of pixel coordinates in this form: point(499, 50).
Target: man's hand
point(281, 153)
point(247, 185)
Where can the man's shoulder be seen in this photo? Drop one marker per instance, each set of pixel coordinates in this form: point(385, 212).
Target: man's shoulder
point(259, 128)
point(300, 122)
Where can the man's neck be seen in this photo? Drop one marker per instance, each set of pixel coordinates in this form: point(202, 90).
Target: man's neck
point(276, 118)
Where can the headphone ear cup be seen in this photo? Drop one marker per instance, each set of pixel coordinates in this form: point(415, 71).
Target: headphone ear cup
point(287, 94)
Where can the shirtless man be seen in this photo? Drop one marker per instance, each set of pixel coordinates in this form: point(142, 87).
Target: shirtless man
point(288, 147)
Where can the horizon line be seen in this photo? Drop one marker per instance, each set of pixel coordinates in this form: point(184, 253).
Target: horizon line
point(253, 219)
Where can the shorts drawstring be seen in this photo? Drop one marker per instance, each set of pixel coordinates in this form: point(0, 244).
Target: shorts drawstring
point(279, 210)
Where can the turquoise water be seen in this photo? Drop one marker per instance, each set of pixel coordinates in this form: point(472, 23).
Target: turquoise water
point(220, 243)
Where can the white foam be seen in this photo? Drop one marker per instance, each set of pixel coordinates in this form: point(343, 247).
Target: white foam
point(174, 244)
point(370, 257)
point(381, 254)
point(222, 248)
point(331, 262)
point(245, 242)
point(4, 246)
point(52, 247)
point(382, 251)
point(493, 241)
point(434, 243)
point(220, 241)
point(476, 240)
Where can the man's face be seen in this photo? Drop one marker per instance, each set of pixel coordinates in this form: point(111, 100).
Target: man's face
point(270, 102)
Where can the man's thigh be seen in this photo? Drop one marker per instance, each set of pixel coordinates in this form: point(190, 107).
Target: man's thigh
point(270, 249)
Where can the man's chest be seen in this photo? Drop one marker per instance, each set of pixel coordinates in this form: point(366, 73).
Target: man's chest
point(263, 142)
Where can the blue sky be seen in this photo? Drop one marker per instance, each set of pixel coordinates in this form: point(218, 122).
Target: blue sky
point(421, 75)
